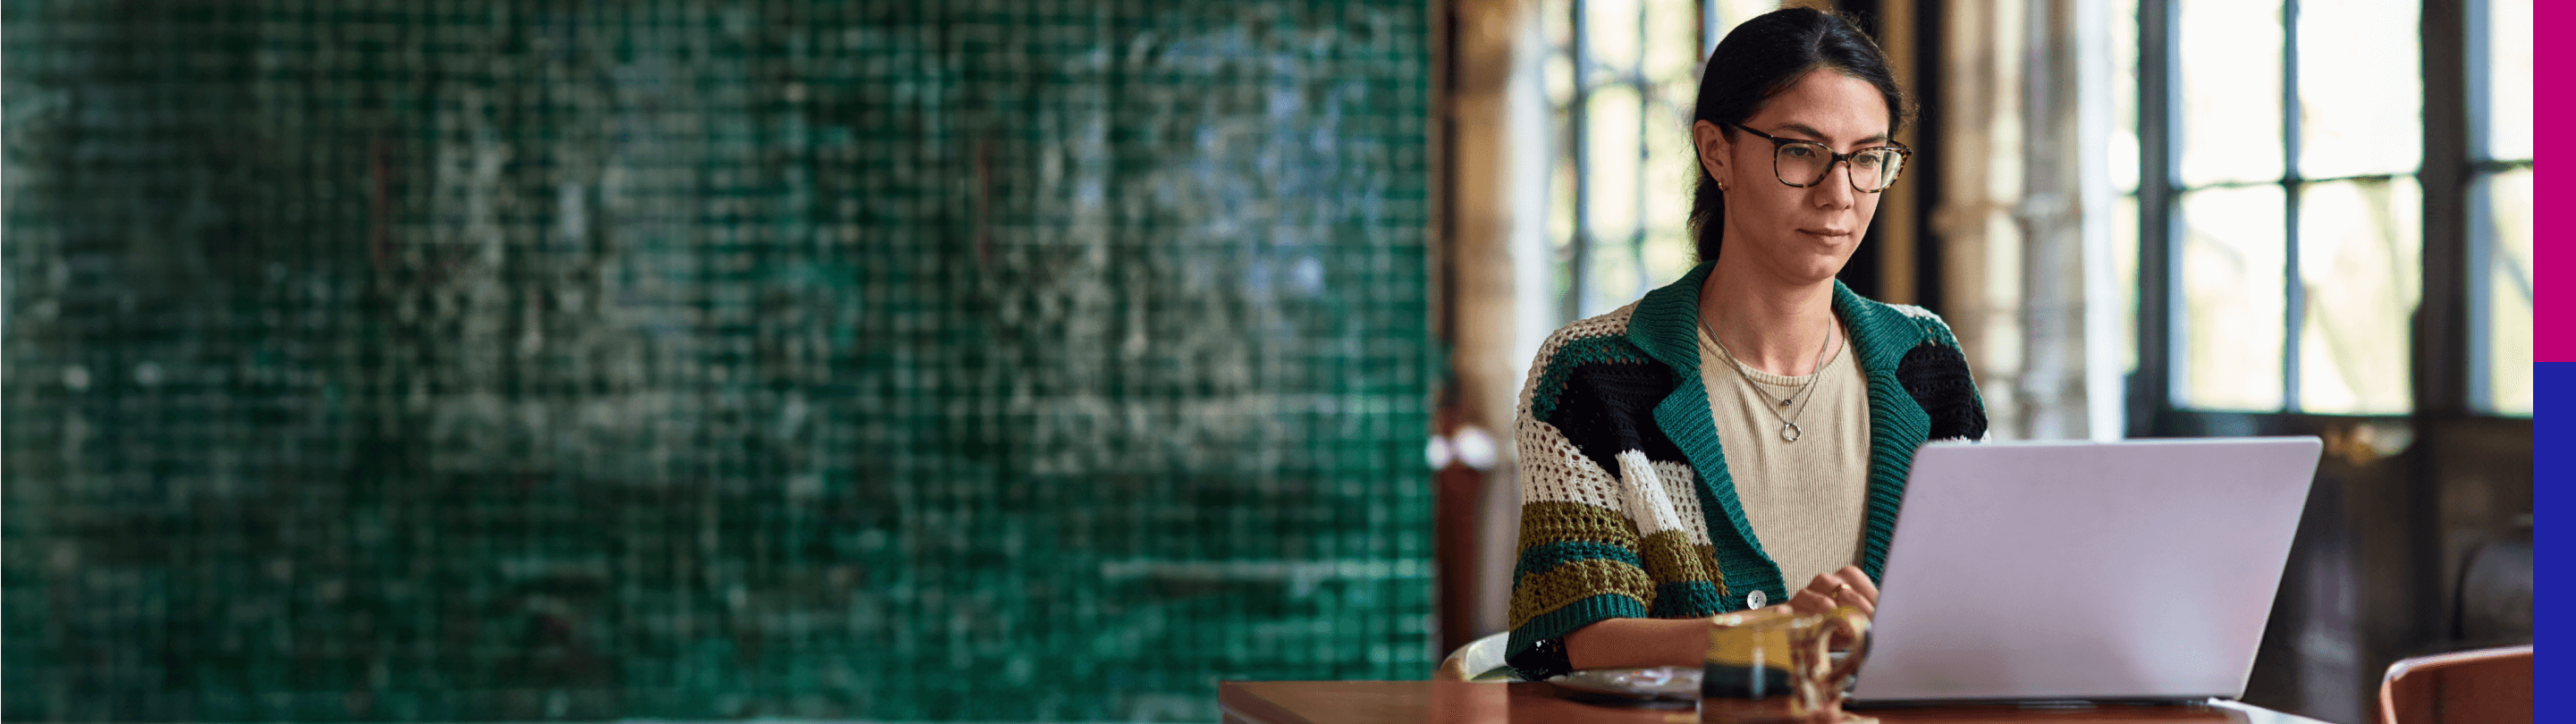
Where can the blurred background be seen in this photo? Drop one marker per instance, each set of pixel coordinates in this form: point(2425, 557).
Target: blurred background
point(391, 360)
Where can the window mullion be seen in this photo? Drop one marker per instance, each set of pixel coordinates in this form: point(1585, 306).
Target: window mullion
point(2154, 389)
point(1645, 159)
point(1580, 133)
point(2294, 302)
point(2443, 337)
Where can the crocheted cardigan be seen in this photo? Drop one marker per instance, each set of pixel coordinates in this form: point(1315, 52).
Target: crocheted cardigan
point(1620, 462)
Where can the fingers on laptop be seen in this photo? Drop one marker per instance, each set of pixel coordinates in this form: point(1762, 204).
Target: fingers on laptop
point(1808, 601)
point(1846, 587)
point(1859, 582)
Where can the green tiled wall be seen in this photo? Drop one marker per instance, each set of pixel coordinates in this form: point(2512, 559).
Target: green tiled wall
point(464, 360)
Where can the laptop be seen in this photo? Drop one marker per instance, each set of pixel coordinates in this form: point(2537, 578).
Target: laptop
point(2076, 571)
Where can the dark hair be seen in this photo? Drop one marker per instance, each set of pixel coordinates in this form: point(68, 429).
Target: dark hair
point(1760, 59)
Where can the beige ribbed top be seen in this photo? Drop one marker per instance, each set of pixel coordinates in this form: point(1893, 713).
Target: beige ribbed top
point(1805, 499)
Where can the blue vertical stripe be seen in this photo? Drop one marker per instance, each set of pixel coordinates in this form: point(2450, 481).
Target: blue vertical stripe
point(2553, 468)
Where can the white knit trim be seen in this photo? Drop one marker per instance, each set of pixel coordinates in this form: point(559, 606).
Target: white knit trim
point(1649, 505)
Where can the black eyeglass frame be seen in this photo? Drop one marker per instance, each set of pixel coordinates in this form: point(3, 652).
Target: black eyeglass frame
point(1904, 155)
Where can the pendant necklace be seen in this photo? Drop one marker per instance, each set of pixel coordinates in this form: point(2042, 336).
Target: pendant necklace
point(1789, 430)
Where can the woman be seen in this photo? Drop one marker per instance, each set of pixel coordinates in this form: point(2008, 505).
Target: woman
point(1749, 426)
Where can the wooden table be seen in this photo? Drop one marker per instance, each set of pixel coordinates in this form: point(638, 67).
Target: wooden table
point(1446, 702)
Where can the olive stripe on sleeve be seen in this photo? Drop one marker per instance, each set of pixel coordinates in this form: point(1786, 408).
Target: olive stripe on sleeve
point(1545, 591)
point(1670, 556)
point(1544, 522)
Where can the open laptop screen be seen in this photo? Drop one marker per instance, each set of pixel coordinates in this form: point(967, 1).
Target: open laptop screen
point(2129, 570)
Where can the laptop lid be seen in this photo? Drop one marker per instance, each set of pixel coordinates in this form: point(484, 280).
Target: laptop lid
point(2077, 570)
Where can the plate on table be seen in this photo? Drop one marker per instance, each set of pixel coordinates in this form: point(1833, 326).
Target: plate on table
point(1662, 687)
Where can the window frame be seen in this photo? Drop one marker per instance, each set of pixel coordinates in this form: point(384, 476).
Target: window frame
point(2479, 166)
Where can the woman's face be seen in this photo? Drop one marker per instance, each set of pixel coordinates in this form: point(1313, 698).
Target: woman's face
point(1797, 235)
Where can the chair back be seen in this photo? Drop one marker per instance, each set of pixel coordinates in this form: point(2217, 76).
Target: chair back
point(1479, 660)
point(2489, 686)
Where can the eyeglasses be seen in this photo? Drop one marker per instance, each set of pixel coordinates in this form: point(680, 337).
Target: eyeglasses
point(1802, 164)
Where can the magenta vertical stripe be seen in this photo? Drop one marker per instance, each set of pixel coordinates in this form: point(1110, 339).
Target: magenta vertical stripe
point(2553, 326)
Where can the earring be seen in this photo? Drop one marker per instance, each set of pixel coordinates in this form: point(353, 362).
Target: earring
point(1721, 186)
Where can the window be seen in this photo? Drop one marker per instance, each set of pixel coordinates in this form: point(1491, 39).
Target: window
point(1621, 76)
point(2294, 210)
point(2282, 199)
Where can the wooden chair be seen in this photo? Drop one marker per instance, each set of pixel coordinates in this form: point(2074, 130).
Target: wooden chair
point(2488, 686)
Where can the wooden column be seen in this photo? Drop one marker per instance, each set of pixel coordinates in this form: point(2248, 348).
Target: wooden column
point(1475, 302)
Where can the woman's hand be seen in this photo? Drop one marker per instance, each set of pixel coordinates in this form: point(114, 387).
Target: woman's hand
point(1846, 587)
